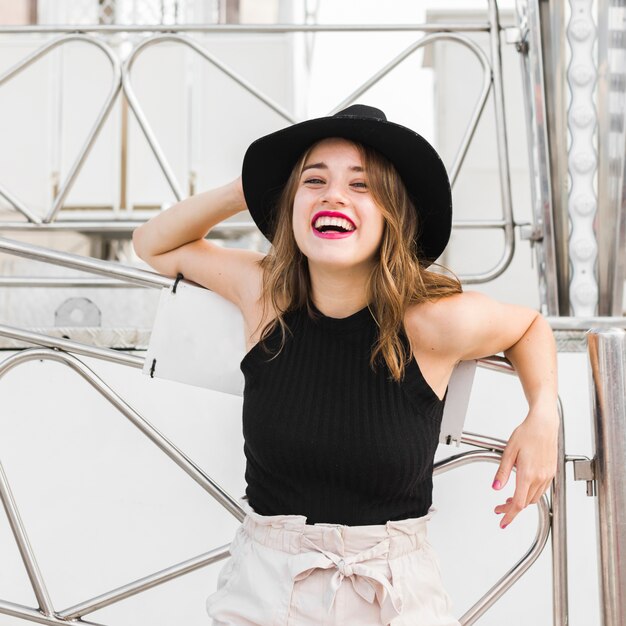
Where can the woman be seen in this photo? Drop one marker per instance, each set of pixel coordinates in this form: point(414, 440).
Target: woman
point(351, 343)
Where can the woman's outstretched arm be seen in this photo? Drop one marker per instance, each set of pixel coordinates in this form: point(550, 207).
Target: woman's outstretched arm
point(471, 325)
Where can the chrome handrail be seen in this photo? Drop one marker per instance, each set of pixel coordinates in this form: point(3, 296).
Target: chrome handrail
point(91, 137)
point(492, 72)
point(491, 451)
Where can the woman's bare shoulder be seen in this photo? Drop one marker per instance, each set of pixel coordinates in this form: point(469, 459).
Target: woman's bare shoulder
point(438, 324)
point(468, 325)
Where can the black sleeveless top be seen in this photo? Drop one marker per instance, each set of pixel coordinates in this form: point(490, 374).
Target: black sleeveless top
point(329, 438)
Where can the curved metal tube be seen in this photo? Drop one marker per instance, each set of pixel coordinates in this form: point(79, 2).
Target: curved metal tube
point(531, 555)
point(480, 103)
point(179, 457)
point(141, 118)
point(91, 137)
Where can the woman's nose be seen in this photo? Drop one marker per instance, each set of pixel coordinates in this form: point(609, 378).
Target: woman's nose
point(334, 194)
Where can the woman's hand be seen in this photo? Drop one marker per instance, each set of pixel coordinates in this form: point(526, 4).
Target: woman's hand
point(533, 450)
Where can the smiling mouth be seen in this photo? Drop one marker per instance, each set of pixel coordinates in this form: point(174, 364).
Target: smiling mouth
point(331, 224)
point(332, 234)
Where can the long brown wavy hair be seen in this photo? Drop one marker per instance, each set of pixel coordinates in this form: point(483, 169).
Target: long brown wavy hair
point(399, 278)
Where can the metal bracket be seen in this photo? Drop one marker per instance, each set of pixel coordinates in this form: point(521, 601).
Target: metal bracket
point(531, 232)
point(514, 35)
point(585, 469)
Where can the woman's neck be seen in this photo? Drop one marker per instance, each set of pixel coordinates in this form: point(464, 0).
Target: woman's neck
point(339, 293)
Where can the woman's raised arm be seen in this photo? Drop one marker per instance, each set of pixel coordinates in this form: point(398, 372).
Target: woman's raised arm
point(174, 242)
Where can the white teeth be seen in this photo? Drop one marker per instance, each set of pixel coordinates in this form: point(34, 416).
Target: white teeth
point(327, 220)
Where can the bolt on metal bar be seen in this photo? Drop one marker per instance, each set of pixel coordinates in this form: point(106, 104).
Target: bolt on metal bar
point(607, 358)
point(517, 571)
point(162, 442)
point(85, 264)
point(26, 551)
point(145, 583)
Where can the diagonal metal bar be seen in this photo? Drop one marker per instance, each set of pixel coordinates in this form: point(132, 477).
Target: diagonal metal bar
point(91, 137)
point(162, 442)
point(141, 118)
point(147, 582)
point(23, 544)
point(61, 281)
point(480, 103)
point(75, 347)
point(532, 554)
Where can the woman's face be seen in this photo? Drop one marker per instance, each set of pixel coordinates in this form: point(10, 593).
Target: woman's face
point(335, 219)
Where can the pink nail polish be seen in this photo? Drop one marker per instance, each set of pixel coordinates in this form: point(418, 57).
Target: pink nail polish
point(496, 484)
point(504, 526)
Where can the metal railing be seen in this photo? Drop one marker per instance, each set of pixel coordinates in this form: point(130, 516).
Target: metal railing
point(491, 450)
point(121, 82)
point(46, 613)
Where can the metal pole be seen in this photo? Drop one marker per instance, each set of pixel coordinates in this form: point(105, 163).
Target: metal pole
point(85, 264)
point(607, 356)
point(560, 583)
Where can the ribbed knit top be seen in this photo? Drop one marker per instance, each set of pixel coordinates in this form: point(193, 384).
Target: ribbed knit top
point(329, 438)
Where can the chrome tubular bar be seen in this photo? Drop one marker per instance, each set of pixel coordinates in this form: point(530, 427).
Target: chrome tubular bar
point(558, 493)
point(480, 103)
point(492, 449)
point(62, 281)
point(184, 462)
point(32, 615)
point(535, 105)
point(91, 138)
point(607, 358)
point(23, 544)
point(141, 118)
point(226, 29)
point(124, 226)
point(74, 347)
point(147, 582)
point(516, 572)
point(491, 72)
point(109, 269)
point(503, 153)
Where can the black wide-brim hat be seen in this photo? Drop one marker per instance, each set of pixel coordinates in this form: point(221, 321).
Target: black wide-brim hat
point(268, 163)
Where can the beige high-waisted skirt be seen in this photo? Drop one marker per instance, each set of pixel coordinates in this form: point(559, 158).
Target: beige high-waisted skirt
point(285, 572)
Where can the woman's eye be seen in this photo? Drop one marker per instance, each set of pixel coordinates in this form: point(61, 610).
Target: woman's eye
point(314, 181)
point(360, 184)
